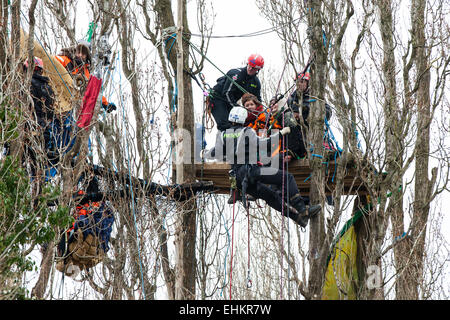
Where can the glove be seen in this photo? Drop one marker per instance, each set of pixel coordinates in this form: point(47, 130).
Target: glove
point(285, 131)
point(208, 154)
point(110, 107)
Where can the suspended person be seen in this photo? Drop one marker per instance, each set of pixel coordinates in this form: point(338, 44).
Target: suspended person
point(77, 60)
point(231, 87)
point(241, 147)
point(86, 242)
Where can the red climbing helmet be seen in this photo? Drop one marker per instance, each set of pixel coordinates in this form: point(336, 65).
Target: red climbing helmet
point(37, 63)
point(304, 76)
point(256, 61)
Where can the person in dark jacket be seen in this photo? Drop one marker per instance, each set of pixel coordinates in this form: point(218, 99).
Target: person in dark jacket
point(297, 104)
point(230, 88)
point(42, 93)
point(241, 147)
point(301, 107)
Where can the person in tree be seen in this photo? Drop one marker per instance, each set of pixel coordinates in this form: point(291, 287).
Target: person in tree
point(241, 147)
point(41, 93)
point(42, 108)
point(231, 87)
point(299, 103)
point(300, 99)
point(77, 60)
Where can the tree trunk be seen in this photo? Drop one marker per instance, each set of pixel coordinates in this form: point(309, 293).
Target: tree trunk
point(185, 241)
point(315, 137)
point(393, 132)
point(423, 185)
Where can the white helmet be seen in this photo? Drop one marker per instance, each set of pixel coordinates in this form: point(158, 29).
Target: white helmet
point(238, 115)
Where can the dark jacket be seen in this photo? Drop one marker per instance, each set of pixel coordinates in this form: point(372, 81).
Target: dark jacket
point(43, 98)
point(293, 103)
point(227, 90)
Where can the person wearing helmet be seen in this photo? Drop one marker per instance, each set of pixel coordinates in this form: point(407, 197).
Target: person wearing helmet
point(301, 107)
point(302, 82)
point(231, 87)
point(253, 178)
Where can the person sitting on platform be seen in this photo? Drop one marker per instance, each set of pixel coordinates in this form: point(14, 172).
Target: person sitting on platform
point(241, 147)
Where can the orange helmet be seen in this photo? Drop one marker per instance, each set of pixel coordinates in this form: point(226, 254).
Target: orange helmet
point(256, 61)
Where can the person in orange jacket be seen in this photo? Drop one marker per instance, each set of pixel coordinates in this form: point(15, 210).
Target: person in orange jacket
point(77, 60)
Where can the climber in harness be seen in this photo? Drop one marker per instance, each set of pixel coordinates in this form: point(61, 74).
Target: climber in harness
point(77, 60)
point(299, 103)
point(300, 99)
point(86, 242)
point(241, 147)
point(231, 87)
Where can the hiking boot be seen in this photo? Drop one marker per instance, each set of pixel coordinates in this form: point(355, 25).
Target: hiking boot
point(298, 203)
point(303, 219)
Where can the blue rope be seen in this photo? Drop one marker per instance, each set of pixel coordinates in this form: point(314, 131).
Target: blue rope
point(330, 133)
point(173, 36)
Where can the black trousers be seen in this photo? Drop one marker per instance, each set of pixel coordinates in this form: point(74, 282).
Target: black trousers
point(295, 141)
point(220, 109)
point(266, 183)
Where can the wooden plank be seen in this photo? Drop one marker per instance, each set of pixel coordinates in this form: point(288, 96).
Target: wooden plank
point(217, 172)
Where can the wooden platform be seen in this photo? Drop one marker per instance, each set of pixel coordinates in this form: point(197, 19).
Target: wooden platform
point(218, 174)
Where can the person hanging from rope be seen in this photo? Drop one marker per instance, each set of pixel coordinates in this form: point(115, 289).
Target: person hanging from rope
point(86, 242)
point(242, 148)
point(231, 87)
point(77, 60)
